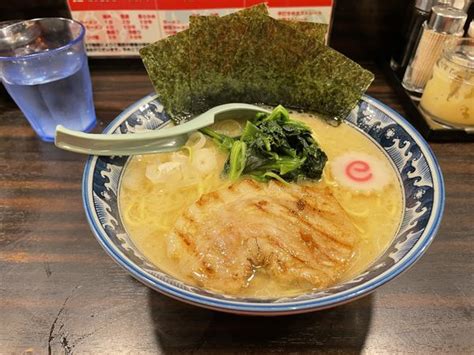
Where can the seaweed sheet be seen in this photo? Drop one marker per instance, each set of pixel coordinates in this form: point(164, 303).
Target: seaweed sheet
point(250, 57)
point(215, 44)
point(317, 31)
point(287, 63)
point(268, 61)
point(167, 64)
point(246, 57)
point(284, 62)
point(329, 83)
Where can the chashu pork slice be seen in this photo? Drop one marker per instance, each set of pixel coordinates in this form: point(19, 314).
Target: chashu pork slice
point(298, 233)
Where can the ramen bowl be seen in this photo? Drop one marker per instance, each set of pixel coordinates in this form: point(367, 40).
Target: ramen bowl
point(418, 174)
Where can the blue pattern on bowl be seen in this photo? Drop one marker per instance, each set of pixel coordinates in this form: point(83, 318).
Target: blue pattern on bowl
point(419, 175)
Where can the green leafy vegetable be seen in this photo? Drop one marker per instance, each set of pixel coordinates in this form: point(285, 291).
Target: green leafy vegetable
point(223, 141)
point(237, 158)
point(272, 146)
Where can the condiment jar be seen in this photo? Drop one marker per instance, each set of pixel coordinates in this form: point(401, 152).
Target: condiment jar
point(407, 39)
point(448, 97)
point(444, 25)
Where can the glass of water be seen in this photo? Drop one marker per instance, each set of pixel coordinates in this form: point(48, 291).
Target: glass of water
point(43, 66)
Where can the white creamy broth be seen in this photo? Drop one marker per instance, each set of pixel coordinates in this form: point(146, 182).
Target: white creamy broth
point(153, 198)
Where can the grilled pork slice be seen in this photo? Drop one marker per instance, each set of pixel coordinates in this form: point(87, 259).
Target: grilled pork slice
point(298, 234)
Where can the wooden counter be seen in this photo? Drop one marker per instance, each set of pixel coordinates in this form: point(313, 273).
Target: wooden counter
point(61, 293)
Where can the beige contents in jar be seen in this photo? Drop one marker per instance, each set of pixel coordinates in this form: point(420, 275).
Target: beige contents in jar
point(449, 95)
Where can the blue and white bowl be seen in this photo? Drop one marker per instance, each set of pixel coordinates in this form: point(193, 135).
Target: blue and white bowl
point(419, 175)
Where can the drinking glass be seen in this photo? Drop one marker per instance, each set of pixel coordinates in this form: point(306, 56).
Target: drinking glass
point(43, 66)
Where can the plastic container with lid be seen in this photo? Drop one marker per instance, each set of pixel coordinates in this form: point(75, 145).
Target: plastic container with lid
point(448, 97)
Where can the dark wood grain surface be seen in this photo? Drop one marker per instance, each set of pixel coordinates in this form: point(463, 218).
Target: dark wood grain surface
point(60, 292)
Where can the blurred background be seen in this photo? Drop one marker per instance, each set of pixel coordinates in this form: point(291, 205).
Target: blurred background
point(384, 33)
point(361, 29)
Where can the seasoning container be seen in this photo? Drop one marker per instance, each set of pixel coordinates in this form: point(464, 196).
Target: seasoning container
point(449, 95)
point(403, 48)
point(444, 25)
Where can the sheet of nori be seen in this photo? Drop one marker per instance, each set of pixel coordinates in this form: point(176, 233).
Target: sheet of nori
point(167, 64)
point(215, 43)
point(329, 83)
point(250, 57)
point(268, 62)
point(288, 64)
point(245, 57)
point(316, 30)
point(281, 62)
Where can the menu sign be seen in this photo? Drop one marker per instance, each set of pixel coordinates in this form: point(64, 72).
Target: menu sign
point(122, 27)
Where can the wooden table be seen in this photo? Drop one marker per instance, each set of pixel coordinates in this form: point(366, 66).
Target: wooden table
point(60, 292)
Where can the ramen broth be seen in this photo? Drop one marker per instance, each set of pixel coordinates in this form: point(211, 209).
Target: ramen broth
point(150, 206)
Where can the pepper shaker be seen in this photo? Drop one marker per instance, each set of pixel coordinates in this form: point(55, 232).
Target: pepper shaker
point(444, 25)
point(405, 44)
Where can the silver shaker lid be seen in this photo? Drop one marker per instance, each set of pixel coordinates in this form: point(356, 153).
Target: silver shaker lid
point(424, 5)
point(444, 3)
point(447, 20)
